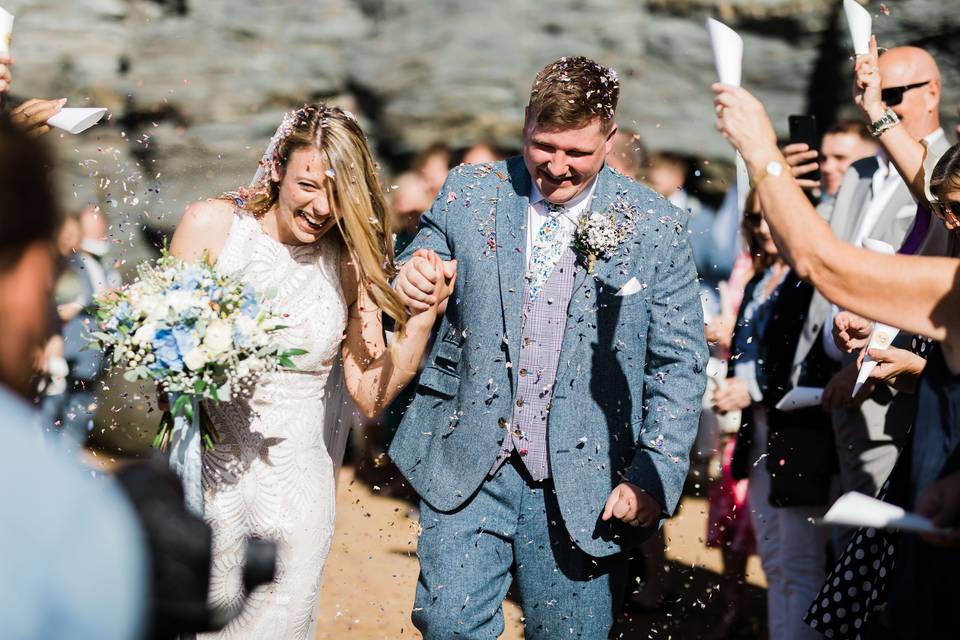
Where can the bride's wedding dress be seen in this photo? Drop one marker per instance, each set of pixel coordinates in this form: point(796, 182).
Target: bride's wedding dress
point(270, 474)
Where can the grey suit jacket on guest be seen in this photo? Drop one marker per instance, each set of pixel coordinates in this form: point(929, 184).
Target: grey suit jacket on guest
point(631, 370)
point(870, 422)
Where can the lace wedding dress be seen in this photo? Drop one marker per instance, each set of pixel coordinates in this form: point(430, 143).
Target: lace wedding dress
point(270, 475)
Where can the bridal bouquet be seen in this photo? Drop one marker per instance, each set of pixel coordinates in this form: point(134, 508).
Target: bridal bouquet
point(199, 334)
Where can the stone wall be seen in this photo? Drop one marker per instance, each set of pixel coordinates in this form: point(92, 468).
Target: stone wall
point(195, 87)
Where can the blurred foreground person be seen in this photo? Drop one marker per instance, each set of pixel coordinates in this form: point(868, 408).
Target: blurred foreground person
point(72, 556)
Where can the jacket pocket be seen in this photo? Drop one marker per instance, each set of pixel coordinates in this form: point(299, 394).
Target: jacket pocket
point(440, 381)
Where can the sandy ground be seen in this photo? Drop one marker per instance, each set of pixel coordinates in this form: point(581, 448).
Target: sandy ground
point(372, 571)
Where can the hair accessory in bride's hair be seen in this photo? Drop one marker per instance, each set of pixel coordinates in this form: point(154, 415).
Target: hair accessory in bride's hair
point(287, 125)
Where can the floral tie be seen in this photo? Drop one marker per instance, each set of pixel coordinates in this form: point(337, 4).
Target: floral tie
point(547, 249)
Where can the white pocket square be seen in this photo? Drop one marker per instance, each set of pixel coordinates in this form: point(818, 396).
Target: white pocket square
point(631, 288)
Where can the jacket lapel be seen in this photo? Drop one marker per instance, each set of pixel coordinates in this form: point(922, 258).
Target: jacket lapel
point(511, 225)
point(583, 298)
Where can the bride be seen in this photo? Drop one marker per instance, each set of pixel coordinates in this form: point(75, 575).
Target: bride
point(315, 233)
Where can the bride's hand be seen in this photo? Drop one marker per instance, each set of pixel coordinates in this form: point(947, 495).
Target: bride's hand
point(445, 274)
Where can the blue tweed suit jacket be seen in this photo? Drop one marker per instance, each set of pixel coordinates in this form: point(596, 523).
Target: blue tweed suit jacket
point(631, 372)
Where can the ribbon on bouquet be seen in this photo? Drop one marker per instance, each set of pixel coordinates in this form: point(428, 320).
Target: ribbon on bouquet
point(186, 453)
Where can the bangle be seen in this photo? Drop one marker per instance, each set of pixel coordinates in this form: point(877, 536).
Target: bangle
point(883, 124)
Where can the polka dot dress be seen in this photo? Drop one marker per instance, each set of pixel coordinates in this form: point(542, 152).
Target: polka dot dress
point(856, 586)
point(858, 583)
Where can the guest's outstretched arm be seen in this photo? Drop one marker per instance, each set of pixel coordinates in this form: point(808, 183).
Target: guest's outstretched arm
point(908, 155)
point(918, 294)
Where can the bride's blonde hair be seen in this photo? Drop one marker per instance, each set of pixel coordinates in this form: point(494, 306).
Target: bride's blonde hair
point(353, 189)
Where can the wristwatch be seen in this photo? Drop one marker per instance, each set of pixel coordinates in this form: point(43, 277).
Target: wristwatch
point(773, 168)
point(886, 122)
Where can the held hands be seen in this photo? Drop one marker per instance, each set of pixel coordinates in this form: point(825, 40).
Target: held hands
point(743, 121)
point(851, 332)
point(866, 83)
point(424, 276)
point(426, 267)
point(632, 505)
point(941, 503)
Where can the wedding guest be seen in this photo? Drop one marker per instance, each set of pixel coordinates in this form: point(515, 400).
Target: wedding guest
point(480, 153)
point(73, 557)
point(629, 155)
point(784, 455)
point(714, 234)
point(843, 144)
point(84, 276)
point(433, 165)
point(875, 202)
point(408, 200)
point(916, 293)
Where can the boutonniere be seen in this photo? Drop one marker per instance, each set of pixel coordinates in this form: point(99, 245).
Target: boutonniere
point(598, 235)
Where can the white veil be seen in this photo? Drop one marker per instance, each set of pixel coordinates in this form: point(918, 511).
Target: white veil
point(338, 417)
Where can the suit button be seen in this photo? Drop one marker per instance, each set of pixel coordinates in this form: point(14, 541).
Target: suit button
point(519, 402)
point(523, 373)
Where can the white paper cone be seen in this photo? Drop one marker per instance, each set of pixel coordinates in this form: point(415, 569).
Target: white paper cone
point(6, 31)
point(881, 338)
point(76, 120)
point(727, 51)
point(883, 334)
point(800, 398)
point(861, 26)
point(858, 510)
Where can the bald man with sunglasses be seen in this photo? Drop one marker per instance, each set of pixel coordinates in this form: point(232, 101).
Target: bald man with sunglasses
point(874, 202)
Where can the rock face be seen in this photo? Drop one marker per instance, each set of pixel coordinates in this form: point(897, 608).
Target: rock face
point(196, 87)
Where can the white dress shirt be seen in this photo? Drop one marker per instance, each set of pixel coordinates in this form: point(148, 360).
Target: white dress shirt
point(538, 214)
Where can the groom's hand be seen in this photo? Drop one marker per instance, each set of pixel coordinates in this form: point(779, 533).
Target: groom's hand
point(632, 505)
point(416, 283)
point(419, 279)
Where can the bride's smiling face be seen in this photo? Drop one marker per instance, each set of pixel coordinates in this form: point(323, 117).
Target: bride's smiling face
point(303, 210)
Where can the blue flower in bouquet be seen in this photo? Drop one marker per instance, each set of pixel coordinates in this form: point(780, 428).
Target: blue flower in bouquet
point(185, 339)
point(166, 351)
point(240, 339)
point(122, 314)
point(190, 279)
point(249, 306)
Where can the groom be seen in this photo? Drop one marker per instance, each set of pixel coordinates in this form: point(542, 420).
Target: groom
point(552, 423)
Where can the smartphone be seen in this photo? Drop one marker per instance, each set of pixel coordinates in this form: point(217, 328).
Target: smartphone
point(804, 129)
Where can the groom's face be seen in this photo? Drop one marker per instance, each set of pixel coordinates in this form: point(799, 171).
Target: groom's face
point(562, 162)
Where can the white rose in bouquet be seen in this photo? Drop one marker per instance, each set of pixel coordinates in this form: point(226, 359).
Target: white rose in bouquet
point(145, 334)
point(196, 359)
point(218, 338)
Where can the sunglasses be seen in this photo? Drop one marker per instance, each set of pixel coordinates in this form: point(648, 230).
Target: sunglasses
point(753, 218)
point(892, 96)
point(944, 209)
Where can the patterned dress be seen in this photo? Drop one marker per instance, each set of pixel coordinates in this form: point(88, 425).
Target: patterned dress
point(270, 475)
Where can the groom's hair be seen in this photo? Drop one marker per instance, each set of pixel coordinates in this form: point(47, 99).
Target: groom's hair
point(572, 92)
